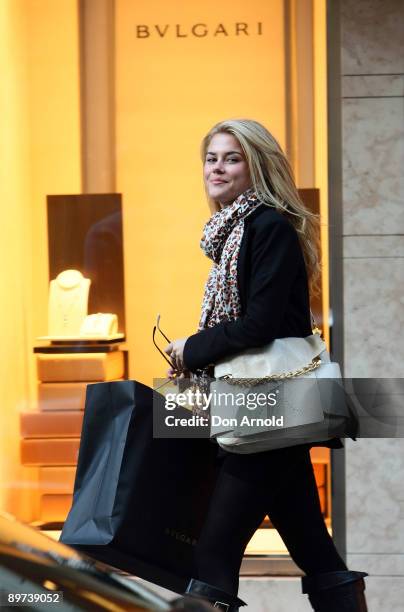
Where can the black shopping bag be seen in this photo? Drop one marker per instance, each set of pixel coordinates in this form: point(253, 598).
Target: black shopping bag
point(139, 502)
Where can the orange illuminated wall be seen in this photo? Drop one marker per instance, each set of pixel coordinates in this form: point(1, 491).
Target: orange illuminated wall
point(180, 68)
point(40, 152)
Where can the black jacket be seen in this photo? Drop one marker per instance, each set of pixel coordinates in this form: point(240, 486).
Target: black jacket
point(274, 295)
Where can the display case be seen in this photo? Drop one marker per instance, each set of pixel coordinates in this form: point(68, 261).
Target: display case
point(86, 296)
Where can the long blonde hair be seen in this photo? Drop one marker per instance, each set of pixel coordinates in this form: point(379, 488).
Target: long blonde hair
point(273, 181)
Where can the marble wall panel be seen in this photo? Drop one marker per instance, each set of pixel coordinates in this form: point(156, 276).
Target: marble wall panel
point(372, 36)
point(375, 496)
point(374, 317)
point(276, 594)
point(373, 162)
point(372, 85)
point(377, 564)
point(384, 593)
point(365, 247)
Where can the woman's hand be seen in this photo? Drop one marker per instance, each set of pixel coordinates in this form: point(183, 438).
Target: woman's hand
point(175, 350)
point(174, 375)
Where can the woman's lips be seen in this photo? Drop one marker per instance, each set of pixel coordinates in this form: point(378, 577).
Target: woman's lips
point(218, 182)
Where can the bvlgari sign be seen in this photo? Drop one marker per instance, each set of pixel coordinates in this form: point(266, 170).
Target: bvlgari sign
point(198, 30)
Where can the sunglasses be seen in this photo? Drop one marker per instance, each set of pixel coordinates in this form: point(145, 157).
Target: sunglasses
point(155, 329)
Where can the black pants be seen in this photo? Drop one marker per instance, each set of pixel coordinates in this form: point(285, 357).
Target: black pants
point(279, 483)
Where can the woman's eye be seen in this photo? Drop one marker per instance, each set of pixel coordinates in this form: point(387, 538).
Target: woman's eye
point(212, 160)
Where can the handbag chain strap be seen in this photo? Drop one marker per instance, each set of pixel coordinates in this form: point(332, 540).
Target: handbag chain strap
point(252, 382)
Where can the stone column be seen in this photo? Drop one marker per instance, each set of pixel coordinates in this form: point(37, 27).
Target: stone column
point(373, 266)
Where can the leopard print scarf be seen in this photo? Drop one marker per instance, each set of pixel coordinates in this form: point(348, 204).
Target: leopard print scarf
point(221, 242)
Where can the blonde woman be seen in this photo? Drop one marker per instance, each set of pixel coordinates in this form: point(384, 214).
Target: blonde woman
point(263, 244)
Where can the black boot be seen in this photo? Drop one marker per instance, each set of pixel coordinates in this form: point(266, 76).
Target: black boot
point(336, 591)
point(216, 597)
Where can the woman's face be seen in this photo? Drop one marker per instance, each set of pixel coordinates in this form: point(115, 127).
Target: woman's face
point(225, 170)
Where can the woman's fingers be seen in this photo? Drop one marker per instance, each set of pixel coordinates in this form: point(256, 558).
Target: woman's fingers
point(175, 350)
point(174, 374)
point(170, 350)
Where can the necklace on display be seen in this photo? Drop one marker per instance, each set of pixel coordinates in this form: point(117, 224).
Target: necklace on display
point(69, 286)
point(65, 308)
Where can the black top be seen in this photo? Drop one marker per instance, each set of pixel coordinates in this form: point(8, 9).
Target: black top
point(272, 281)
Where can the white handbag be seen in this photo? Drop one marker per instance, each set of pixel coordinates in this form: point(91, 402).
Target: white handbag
point(304, 384)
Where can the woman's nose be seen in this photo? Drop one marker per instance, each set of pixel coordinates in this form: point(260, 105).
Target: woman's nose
point(218, 166)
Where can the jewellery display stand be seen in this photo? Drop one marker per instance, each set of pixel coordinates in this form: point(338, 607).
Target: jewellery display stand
point(68, 303)
point(85, 274)
point(51, 436)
